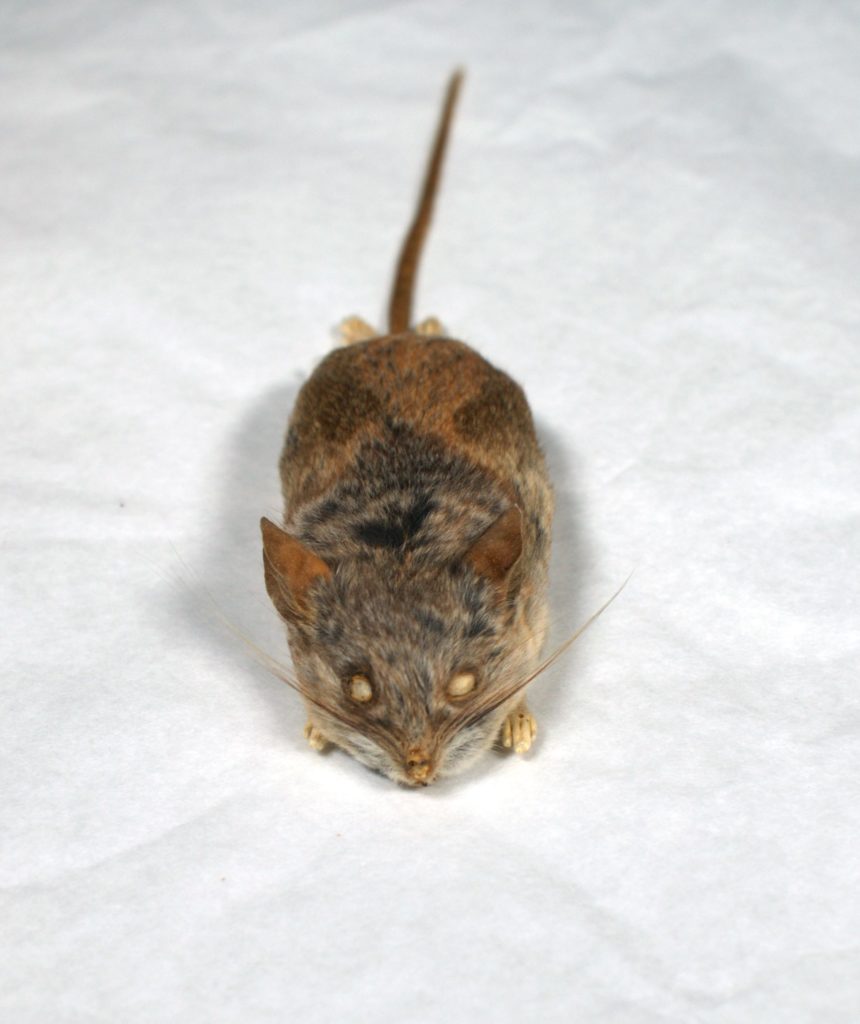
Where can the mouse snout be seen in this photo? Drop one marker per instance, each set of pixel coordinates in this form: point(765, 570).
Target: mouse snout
point(418, 766)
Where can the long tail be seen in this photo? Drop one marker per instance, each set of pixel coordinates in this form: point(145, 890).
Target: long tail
point(400, 305)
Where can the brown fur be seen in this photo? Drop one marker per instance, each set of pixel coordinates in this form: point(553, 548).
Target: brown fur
point(437, 385)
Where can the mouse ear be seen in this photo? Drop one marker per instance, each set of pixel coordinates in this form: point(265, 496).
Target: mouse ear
point(291, 569)
point(496, 551)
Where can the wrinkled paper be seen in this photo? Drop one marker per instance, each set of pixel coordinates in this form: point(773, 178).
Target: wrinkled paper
point(649, 218)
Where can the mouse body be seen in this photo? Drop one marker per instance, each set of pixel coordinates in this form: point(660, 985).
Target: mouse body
point(411, 566)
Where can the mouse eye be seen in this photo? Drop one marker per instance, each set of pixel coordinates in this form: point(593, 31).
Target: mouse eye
point(461, 684)
point(359, 688)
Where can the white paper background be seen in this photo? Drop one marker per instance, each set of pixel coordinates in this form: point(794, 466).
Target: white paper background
point(650, 218)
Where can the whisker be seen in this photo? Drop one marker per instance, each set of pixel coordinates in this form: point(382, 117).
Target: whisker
point(281, 672)
point(277, 668)
point(552, 621)
point(471, 716)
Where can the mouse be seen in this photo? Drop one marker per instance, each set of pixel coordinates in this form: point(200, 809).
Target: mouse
point(411, 565)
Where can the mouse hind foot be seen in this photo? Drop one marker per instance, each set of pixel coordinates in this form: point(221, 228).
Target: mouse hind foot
point(519, 730)
point(352, 330)
point(431, 327)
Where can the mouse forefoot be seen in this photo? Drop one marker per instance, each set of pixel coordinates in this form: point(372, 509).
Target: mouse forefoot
point(519, 730)
point(315, 738)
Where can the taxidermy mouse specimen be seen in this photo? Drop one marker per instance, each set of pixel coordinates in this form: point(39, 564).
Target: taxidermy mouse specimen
point(411, 568)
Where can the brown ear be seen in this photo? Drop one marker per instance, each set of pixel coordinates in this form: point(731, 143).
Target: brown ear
point(290, 570)
point(495, 552)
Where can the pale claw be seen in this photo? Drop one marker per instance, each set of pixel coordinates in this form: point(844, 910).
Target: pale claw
point(519, 730)
point(353, 329)
point(315, 738)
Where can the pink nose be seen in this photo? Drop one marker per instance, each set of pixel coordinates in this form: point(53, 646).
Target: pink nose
point(418, 766)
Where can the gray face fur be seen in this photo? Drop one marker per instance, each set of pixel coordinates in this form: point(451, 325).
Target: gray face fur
point(410, 633)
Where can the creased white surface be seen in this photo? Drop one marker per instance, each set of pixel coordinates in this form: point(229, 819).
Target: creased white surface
point(650, 218)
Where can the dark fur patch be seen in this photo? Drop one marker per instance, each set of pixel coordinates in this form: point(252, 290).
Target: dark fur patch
point(474, 597)
point(414, 518)
point(381, 535)
point(479, 626)
point(430, 622)
point(333, 402)
point(406, 494)
point(326, 509)
point(402, 527)
point(496, 414)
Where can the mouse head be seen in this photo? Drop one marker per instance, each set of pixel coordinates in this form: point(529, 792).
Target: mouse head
point(409, 663)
